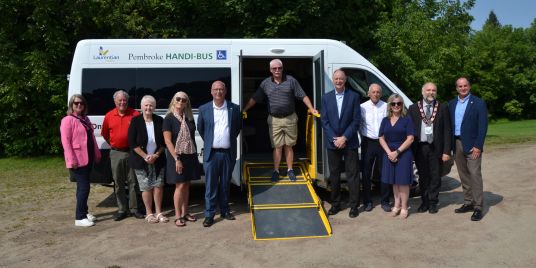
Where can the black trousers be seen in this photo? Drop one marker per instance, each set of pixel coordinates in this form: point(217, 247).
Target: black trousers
point(372, 154)
point(429, 167)
point(351, 164)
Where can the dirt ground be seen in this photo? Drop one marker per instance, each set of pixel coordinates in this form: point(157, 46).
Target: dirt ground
point(506, 237)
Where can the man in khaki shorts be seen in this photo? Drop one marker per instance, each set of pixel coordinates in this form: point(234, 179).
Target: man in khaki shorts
point(280, 90)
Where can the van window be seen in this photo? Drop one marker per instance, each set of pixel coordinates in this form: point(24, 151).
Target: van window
point(359, 80)
point(99, 85)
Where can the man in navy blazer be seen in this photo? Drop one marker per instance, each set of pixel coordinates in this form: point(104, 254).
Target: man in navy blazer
point(469, 124)
point(219, 123)
point(340, 116)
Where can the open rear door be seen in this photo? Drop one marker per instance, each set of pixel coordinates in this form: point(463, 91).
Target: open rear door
point(313, 134)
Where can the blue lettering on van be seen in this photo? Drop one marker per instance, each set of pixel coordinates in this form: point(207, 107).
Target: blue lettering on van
point(189, 56)
point(221, 54)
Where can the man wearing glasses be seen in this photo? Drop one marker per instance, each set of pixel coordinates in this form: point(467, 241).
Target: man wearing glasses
point(115, 132)
point(280, 90)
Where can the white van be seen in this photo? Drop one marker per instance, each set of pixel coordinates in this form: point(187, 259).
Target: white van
point(161, 67)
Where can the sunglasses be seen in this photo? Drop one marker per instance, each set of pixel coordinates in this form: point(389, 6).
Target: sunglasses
point(396, 103)
point(78, 103)
point(179, 99)
point(277, 68)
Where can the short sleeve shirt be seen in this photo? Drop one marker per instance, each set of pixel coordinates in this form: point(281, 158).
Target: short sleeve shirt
point(280, 96)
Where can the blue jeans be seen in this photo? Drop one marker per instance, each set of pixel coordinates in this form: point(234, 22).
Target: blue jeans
point(218, 172)
point(81, 176)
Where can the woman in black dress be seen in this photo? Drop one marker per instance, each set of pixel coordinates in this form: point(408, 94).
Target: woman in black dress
point(181, 154)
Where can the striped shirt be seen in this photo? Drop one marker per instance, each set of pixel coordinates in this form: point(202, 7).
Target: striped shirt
point(280, 96)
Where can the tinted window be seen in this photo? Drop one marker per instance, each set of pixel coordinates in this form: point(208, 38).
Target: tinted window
point(359, 80)
point(98, 85)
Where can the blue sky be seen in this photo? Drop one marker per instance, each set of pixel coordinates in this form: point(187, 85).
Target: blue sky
point(518, 13)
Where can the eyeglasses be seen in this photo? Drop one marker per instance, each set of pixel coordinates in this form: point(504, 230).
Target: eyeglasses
point(179, 99)
point(78, 103)
point(396, 103)
point(277, 68)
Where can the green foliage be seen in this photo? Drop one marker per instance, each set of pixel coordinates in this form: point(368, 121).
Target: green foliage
point(423, 41)
point(502, 66)
point(411, 41)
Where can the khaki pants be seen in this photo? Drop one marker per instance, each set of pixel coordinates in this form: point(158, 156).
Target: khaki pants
point(122, 173)
point(470, 176)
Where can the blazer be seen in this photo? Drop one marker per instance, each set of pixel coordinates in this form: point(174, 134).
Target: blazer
point(474, 123)
point(205, 126)
point(442, 128)
point(347, 125)
point(137, 137)
point(74, 141)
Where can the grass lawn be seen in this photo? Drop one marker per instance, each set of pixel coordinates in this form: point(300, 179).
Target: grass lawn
point(504, 132)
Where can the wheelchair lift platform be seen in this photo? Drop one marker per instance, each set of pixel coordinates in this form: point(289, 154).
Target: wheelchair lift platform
point(285, 209)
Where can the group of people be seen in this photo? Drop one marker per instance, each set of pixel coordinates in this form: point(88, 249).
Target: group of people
point(392, 137)
point(145, 148)
point(138, 143)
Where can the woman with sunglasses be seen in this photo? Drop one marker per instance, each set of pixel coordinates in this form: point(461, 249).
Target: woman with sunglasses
point(396, 135)
point(80, 150)
point(182, 163)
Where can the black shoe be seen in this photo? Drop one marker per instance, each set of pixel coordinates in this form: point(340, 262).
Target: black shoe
point(368, 207)
point(333, 210)
point(291, 175)
point(138, 215)
point(275, 176)
point(228, 216)
point(423, 208)
point(433, 209)
point(477, 215)
point(354, 212)
point(464, 208)
point(208, 222)
point(120, 216)
point(386, 207)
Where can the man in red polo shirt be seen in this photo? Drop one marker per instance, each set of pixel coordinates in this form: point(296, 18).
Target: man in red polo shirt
point(115, 132)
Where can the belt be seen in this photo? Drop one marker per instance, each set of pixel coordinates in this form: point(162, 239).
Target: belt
point(457, 137)
point(221, 150)
point(120, 150)
point(369, 139)
point(280, 115)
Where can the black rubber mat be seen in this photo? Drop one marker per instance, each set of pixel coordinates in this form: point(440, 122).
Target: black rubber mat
point(288, 223)
point(257, 173)
point(281, 194)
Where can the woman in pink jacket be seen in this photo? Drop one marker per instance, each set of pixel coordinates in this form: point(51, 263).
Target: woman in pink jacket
point(80, 150)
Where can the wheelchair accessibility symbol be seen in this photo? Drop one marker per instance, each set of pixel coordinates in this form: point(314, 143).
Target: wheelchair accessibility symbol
point(221, 54)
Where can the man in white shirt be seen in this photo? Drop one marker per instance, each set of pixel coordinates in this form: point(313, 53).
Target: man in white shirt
point(372, 113)
point(219, 123)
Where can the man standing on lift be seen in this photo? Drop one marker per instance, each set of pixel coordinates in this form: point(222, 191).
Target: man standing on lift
point(280, 90)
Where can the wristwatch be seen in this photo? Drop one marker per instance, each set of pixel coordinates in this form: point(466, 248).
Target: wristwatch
point(398, 151)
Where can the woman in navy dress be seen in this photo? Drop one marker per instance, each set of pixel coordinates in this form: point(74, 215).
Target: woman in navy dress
point(396, 135)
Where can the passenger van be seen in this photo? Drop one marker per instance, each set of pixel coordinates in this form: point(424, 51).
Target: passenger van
point(161, 67)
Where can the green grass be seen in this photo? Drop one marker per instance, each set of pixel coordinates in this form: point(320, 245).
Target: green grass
point(26, 183)
point(505, 132)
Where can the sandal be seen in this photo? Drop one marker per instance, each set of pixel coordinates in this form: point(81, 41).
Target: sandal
point(180, 222)
point(161, 218)
point(404, 213)
point(189, 217)
point(150, 218)
point(395, 211)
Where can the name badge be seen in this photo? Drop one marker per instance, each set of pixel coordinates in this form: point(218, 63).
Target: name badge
point(428, 130)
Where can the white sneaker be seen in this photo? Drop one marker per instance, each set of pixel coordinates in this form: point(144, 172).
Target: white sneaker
point(83, 223)
point(91, 217)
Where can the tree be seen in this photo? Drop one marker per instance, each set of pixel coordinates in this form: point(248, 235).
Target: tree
point(502, 67)
point(424, 41)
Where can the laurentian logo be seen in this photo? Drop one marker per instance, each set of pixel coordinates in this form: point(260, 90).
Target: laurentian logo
point(103, 55)
point(103, 52)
